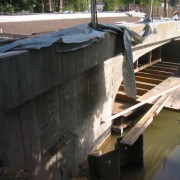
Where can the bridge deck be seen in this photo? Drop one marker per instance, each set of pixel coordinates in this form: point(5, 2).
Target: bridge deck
point(151, 81)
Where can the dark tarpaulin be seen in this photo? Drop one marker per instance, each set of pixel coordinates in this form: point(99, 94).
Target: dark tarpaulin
point(82, 36)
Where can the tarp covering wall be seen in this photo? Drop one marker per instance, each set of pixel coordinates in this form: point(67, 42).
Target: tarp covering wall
point(84, 35)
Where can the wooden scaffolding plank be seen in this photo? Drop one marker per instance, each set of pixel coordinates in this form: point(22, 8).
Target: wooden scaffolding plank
point(140, 91)
point(148, 80)
point(171, 63)
point(144, 122)
point(148, 100)
point(153, 71)
point(144, 85)
point(146, 65)
point(174, 101)
point(166, 68)
point(121, 96)
point(168, 65)
point(161, 69)
point(149, 75)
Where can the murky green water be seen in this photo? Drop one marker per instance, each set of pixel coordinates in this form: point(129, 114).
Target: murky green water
point(161, 150)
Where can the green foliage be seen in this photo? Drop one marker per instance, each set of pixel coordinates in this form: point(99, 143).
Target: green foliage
point(74, 5)
point(173, 2)
point(7, 8)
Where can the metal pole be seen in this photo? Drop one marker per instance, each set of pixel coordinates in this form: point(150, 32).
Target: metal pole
point(93, 13)
point(151, 10)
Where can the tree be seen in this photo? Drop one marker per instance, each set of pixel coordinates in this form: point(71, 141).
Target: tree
point(165, 14)
point(50, 5)
point(60, 6)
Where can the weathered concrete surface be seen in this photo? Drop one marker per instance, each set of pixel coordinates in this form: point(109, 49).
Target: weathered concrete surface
point(166, 32)
point(55, 106)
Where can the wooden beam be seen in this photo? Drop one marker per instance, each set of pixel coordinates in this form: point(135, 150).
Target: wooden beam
point(161, 69)
point(145, 121)
point(136, 64)
point(146, 65)
point(148, 80)
point(140, 91)
point(150, 57)
point(171, 63)
point(144, 85)
point(120, 96)
point(166, 68)
point(153, 71)
point(149, 75)
point(168, 65)
point(143, 102)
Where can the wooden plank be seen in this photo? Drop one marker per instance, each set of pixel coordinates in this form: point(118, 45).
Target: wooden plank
point(144, 85)
point(174, 101)
point(144, 122)
point(150, 57)
point(161, 69)
point(140, 91)
point(166, 68)
point(168, 65)
point(144, 102)
point(171, 63)
point(122, 96)
point(136, 64)
point(165, 73)
point(148, 80)
point(146, 65)
point(154, 76)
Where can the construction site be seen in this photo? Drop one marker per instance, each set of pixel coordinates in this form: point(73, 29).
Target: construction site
point(81, 99)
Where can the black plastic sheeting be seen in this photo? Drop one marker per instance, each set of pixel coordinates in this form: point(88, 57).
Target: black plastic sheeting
point(84, 35)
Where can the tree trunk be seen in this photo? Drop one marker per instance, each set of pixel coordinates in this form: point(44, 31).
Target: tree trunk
point(60, 6)
point(42, 6)
point(165, 8)
point(50, 5)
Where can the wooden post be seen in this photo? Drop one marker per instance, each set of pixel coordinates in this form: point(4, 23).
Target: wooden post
point(150, 57)
point(159, 53)
point(136, 64)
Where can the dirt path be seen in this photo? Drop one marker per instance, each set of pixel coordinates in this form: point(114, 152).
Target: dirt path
point(28, 28)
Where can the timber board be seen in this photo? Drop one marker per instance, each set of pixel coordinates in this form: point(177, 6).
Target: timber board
point(150, 82)
point(174, 101)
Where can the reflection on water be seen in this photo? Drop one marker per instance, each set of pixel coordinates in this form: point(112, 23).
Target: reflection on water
point(161, 150)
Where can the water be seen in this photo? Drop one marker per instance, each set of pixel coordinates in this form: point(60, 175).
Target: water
point(161, 150)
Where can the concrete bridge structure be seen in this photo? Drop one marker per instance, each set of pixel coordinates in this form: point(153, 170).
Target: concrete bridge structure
point(55, 107)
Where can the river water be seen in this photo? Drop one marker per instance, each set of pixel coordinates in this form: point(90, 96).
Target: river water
point(161, 150)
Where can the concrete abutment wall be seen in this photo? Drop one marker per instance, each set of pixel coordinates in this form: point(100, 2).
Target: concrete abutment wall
point(55, 106)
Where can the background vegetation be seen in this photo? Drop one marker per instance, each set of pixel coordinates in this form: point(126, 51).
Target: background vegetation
point(73, 5)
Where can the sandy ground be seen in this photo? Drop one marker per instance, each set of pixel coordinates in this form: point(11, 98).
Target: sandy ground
point(31, 27)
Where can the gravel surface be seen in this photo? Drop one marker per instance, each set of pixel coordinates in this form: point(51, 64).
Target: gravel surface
point(33, 27)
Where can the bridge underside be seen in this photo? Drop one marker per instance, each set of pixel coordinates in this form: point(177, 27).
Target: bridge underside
point(152, 79)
